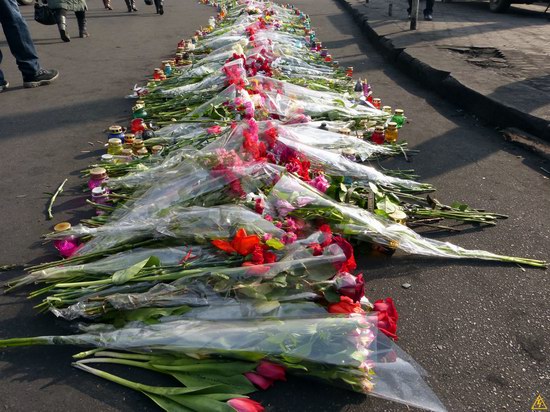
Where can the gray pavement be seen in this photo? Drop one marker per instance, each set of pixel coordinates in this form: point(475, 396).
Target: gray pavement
point(496, 66)
point(479, 329)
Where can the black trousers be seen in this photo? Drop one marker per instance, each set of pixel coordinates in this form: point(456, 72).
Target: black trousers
point(429, 7)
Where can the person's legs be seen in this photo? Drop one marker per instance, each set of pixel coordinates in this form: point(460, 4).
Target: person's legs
point(410, 7)
point(159, 4)
point(131, 4)
point(81, 19)
point(429, 10)
point(18, 38)
point(107, 4)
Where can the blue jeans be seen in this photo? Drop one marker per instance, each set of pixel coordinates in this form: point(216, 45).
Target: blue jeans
point(19, 40)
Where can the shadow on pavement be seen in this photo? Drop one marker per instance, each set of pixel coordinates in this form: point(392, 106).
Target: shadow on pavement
point(59, 117)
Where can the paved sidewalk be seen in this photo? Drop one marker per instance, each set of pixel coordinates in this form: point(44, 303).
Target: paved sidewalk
point(496, 66)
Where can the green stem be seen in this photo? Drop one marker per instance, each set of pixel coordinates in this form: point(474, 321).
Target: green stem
point(108, 281)
point(15, 342)
point(159, 390)
point(120, 355)
point(119, 361)
point(52, 200)
point(87, 353)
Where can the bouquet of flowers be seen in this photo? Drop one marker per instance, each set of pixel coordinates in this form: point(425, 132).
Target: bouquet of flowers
point(223, 258)
point(216, 362)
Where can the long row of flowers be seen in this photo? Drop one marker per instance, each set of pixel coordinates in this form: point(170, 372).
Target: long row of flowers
point(221, 253)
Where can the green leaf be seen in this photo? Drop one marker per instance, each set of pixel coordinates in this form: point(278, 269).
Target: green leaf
point(122, 276)
point(168, 404)
point(280, 281)
point(150, 315)
point(331, 295)
point(220, 368)
point(275, 244)
point(303, 351)
point(225, 396)
point(387, 205)
point(374, 189)
point(202, 403)
point(381, 212)
point(225, 384)
point(342, 196)
point(331, 191)
point(266, 307)
point(460, 206)
point(343, 187)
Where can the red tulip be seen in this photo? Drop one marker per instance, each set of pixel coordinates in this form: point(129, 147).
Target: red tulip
point(245, 405)
point(260, 381)
point(271, 371)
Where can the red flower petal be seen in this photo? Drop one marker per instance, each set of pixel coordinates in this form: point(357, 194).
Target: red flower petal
point(245, 245)
point(224, 245)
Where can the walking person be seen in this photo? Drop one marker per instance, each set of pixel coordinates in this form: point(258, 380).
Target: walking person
point(107, 4)
point(61, 7)
point(131, 4)
point(159, 4)
point(22, 47)
point(428, 11)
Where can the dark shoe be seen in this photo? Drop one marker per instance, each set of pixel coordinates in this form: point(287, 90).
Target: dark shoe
point(62, 26)
point(428, 17)
point(4, 86)
point(161, 10)
point(64, 35)
point(42, 78)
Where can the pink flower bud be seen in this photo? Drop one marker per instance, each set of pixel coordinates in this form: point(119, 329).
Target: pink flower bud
point(245, 405)
point(67, 247)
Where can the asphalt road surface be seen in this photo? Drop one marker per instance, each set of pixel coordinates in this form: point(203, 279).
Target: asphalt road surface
point(480, 329)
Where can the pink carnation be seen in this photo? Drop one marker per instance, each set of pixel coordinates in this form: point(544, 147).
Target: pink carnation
point(320, 183)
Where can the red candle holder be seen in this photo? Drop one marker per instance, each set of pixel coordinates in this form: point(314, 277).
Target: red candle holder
point(138, 125)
